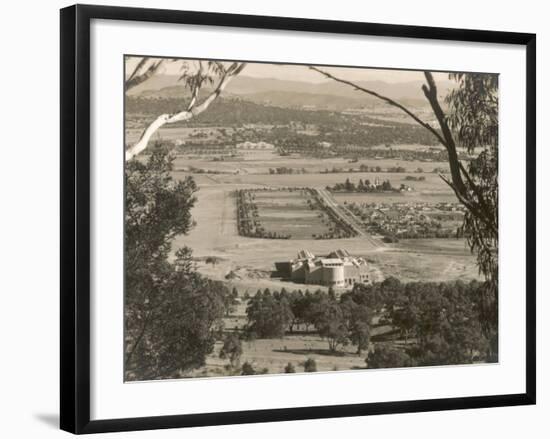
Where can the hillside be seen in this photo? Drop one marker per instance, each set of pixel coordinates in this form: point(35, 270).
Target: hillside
point(295, 129)
point(329, 94)
point(231, 111)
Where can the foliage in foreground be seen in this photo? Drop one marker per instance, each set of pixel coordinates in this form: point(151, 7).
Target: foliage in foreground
point(437, 323)
point(430, 323)
point(172, 314)
point(232, 349)
point(310, 365)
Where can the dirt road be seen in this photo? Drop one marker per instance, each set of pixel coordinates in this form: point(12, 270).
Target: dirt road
point(350, 219)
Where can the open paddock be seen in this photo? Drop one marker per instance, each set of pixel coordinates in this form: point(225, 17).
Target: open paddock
point(175, 133)
point(298, 227)
point(397, 197)
point(289, 213)
point(438, 260)
point(275, 354)
point(294, 214)
point(215, 233)
point(261, 161)
point(433, 185)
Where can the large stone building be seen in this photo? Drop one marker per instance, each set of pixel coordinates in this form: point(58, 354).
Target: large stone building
point(338, 269)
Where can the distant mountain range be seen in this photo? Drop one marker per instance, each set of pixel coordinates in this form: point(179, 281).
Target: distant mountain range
point(284, 93)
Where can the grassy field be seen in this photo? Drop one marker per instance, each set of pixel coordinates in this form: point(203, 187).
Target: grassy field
point(275, 354)
point(437, 260)
point(286, 212)
point(416, 196)
point(247, 263)
point(433, 184)
point(259, 162)
point(215, 234)
point(210, 155)
point(252, 259)
point(171, 133)
point(216, 231)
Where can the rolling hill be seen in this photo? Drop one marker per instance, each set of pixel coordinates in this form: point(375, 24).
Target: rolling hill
point(284, 93)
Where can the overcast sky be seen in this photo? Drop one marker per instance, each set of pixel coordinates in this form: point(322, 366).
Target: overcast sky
point(302, 73)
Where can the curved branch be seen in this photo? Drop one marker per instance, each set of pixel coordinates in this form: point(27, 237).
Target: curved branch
point(469, 195)
point(191, 111)
point(146, 136)
point(430, 91)
point(465, 201)
point(383, 98)
point(196, 89)
point(479, 208)
point(137, 77)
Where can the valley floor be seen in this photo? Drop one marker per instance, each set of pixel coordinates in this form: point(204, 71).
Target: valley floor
point(247, 263)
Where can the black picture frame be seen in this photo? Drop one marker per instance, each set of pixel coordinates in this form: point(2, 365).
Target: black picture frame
point(75, 217)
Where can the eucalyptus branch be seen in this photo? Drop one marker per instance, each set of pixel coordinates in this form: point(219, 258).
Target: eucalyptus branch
point(141, 73)
point(191, 110)
point(445, 138)
point(196, 88)
point(430, 91)
point(383, 98)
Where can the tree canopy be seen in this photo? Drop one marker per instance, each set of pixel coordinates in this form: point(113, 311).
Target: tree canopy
point(172, 314)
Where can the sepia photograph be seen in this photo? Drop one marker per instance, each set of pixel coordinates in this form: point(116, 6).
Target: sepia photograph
point(287, 218)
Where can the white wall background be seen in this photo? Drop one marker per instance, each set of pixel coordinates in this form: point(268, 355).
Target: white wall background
point(29, 206)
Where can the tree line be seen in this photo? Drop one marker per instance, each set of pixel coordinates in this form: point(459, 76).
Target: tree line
point(430, 323)
point(366, 186)
point(274, 315)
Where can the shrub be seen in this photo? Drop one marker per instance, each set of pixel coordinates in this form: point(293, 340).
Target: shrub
point(232, 349)
point(289, 368)
point(310, 365)
point(248, 369)
point(386, 356)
